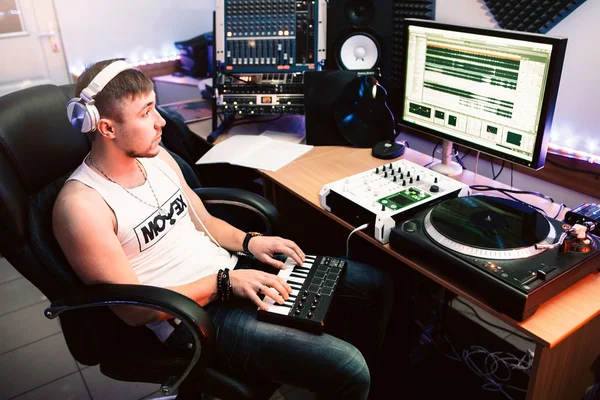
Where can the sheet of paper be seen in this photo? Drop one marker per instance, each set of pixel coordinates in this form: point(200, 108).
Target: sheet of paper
point(259, 152)
point(297, 137)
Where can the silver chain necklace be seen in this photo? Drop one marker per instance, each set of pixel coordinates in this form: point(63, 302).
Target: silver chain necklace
point(158, 207)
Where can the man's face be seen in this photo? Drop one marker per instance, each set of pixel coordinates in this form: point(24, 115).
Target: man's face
point(140, 132)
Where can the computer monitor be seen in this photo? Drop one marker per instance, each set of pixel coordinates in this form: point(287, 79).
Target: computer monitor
point(491, 90)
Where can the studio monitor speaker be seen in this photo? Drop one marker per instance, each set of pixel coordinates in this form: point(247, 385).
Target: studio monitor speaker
point(369, 34)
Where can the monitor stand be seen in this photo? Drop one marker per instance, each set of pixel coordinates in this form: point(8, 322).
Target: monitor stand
point(447, 166)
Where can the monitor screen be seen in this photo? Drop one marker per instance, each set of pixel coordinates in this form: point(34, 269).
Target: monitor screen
point(487, 89)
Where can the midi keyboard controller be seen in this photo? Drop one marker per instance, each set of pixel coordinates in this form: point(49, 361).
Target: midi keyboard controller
point(387, 195)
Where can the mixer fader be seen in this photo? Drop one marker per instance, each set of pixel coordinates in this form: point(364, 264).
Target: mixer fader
point(388, 194)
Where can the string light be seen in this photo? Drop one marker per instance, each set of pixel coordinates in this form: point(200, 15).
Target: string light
point(76, 71)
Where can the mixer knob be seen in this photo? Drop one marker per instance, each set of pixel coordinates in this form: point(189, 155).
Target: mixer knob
point(385, 175)
point(395, 178)
point(408, 174)
point(418, 178)
point(404, 182)
point(435, 180)
point(434, 188)
point(377, 170)
point(391, 166)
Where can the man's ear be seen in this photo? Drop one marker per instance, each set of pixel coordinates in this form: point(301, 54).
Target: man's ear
point(106, 128)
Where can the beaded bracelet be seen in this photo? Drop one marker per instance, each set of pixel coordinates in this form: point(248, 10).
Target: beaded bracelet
point(219, 279)
point(224, 287)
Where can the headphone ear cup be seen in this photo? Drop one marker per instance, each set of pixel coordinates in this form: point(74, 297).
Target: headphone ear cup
point(84, 117)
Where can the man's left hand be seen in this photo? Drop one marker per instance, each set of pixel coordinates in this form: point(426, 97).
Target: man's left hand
point(265, 247)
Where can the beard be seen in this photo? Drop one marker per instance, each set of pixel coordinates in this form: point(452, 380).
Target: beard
point(145, 154)
point(151, 152)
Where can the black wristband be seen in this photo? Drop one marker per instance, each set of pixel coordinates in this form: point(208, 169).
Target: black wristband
point(249, 236)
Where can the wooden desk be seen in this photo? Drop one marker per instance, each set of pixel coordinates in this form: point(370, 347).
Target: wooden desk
point(565, 328)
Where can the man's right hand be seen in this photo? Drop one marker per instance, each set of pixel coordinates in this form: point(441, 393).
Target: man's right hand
point(249, 283)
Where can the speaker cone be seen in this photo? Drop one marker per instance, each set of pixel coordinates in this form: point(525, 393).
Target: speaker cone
point(358, 52)
point(360, 12)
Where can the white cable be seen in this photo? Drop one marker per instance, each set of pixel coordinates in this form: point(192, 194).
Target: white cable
point(190, 205)
point(360, 228)
point(199, 220)
point(491, 365)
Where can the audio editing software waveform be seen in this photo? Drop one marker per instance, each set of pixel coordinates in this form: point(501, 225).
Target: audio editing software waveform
point(270, 35)
point(477, 67)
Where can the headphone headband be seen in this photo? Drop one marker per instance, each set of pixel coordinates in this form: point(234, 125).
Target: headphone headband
point(101, 80)
point(81, 111)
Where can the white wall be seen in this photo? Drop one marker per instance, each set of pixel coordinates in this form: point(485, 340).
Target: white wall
point(577, 115)
point(94, 30)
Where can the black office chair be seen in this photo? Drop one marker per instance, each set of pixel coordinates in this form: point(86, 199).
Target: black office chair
point(38, 151)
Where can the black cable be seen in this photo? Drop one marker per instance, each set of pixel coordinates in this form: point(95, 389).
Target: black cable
point(494, 325)
point(499, 172)
point(434, 149)
point(462, 164)
point(573, 169)
point(562, 205)
point(484, 188)
point(506, 192)
point(512, 170)
point(460, 159)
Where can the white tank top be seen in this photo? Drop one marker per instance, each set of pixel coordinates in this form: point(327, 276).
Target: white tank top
point(163, 250)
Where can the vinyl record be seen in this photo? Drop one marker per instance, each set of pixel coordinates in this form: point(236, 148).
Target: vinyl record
point(361, 115)
point(489, 222)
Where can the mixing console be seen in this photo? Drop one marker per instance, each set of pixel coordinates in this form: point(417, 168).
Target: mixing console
point(270, 35)
point(388, 194)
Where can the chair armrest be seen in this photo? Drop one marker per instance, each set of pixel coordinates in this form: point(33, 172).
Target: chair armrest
point(245, 210)
point(188, 311)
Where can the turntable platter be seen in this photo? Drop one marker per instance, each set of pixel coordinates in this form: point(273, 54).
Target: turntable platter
point(488, 227)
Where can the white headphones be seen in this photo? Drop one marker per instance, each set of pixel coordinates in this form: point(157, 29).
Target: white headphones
point(82, 112)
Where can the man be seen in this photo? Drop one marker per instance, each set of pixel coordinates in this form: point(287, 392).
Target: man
point(124, 217)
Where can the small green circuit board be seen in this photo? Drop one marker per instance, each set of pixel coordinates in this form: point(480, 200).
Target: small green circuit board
point(404, 198)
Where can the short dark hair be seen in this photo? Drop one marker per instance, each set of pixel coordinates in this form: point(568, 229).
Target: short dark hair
point(129, 83)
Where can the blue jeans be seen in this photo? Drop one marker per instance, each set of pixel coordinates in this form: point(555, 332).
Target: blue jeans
point(336, 364)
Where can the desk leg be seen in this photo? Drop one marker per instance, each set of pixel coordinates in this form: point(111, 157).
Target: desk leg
point(567, 370)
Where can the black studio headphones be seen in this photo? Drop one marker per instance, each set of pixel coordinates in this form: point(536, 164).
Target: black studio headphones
point(82, 112)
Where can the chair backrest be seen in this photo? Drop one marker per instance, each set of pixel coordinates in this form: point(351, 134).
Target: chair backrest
point(38, 151)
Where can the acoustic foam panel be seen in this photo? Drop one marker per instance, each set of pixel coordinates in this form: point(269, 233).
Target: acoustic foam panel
point(531, 15)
